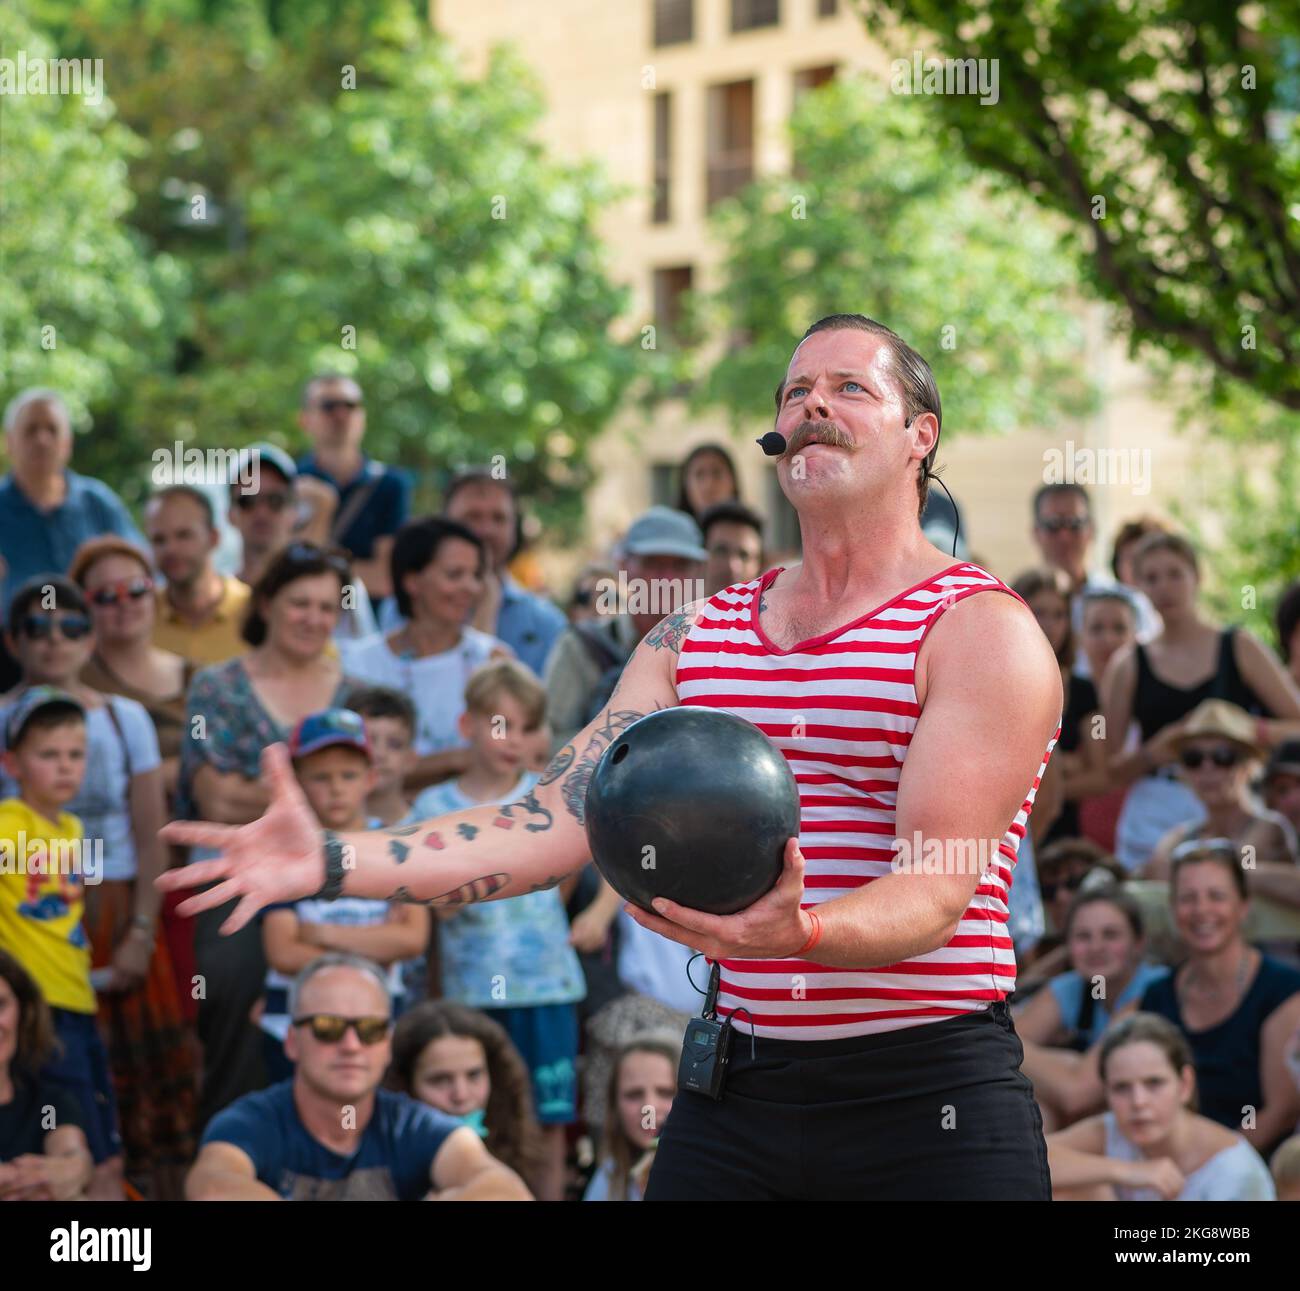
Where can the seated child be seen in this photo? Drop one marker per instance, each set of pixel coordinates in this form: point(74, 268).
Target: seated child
point(334, 765)
point(461, 1062)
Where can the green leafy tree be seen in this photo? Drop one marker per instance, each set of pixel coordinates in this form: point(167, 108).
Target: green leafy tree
point(84, 307)
point(885, 218)
point(1165, 131)
point(344, 197)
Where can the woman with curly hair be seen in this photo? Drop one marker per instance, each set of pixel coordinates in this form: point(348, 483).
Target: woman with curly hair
point(461, 1062)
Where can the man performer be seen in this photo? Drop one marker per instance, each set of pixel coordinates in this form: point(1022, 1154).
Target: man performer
point(917, 715)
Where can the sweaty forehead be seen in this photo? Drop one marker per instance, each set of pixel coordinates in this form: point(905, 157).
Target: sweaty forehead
point(842, 347)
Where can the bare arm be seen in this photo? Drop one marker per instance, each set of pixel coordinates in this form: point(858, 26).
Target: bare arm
point(1277, 1085)
point(1069, 1081)
point(1263, 672)
point(1085, 775)
point(1118, 688)
point(374, 571)
point(1076, 1157)
point(402, 936)
point(1040, 1020)
point(1277, 882)
point(457, 858)
point(224, 1172)
point(463, 1170)
point(287, 951)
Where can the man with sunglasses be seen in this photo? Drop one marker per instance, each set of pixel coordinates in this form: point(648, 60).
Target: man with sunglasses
point(374, 499)
point(331, 1133)
point(1064, 533)
point(265, 512)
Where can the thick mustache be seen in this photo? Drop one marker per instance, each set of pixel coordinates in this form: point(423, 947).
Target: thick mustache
point(825, 432)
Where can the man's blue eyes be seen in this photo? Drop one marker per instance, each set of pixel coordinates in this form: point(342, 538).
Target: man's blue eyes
point(793, 389)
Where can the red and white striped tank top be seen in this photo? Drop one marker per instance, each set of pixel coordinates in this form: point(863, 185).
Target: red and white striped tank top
point(842, 708)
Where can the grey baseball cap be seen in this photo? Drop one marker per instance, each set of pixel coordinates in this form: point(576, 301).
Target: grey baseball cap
point(31, 702)
point(267, 455)
point(661, 531)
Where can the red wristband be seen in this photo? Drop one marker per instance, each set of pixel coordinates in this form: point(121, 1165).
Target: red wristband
point(814, 938)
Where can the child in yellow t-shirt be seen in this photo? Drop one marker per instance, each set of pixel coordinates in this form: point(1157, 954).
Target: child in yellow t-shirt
point(44, 862)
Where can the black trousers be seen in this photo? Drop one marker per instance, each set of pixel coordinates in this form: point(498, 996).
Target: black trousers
point(939, 1112)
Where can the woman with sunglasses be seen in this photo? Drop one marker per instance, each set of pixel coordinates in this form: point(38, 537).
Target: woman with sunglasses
point(1237, 1007)
point(1158, 684)
point(121, 802)
point(118, 584)
point(1217, 754)
point(233, 711)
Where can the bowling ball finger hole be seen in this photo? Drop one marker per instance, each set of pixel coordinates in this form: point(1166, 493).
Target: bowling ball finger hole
point(620, 753)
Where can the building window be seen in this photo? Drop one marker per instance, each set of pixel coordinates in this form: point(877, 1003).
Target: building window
point(748, 14)
point(663, 158)
point(663, 484)
point(669, 286)
point(674, 22)
point(812, 78)
point(827, 8)
point(730, 140)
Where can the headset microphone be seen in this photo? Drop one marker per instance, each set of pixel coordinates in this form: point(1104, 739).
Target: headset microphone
point(773, 443)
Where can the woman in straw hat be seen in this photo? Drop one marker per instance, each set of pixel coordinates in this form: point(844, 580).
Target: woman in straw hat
point(1216, 752)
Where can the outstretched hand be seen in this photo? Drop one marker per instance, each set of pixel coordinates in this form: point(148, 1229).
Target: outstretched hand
point(278, 857)
point(774, 927)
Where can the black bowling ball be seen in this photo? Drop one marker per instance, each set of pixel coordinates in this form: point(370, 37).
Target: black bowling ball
point(695, 805)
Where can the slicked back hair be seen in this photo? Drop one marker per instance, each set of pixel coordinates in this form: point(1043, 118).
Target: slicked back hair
point(913, 373)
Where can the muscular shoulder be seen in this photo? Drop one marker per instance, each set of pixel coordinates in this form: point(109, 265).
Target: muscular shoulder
point(990, 642)
point(669, 633)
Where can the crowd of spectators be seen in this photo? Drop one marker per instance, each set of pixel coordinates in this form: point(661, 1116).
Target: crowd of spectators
point(414, 668)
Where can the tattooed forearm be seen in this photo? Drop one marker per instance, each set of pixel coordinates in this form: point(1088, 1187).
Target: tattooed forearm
point(398, 851)
point(535, 817)
point(573, 789)
point(479, 889)
point(557, 766)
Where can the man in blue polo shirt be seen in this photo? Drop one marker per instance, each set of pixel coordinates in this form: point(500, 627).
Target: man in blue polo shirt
point(374, 499)
point(331, 1133)
point(47, 510)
